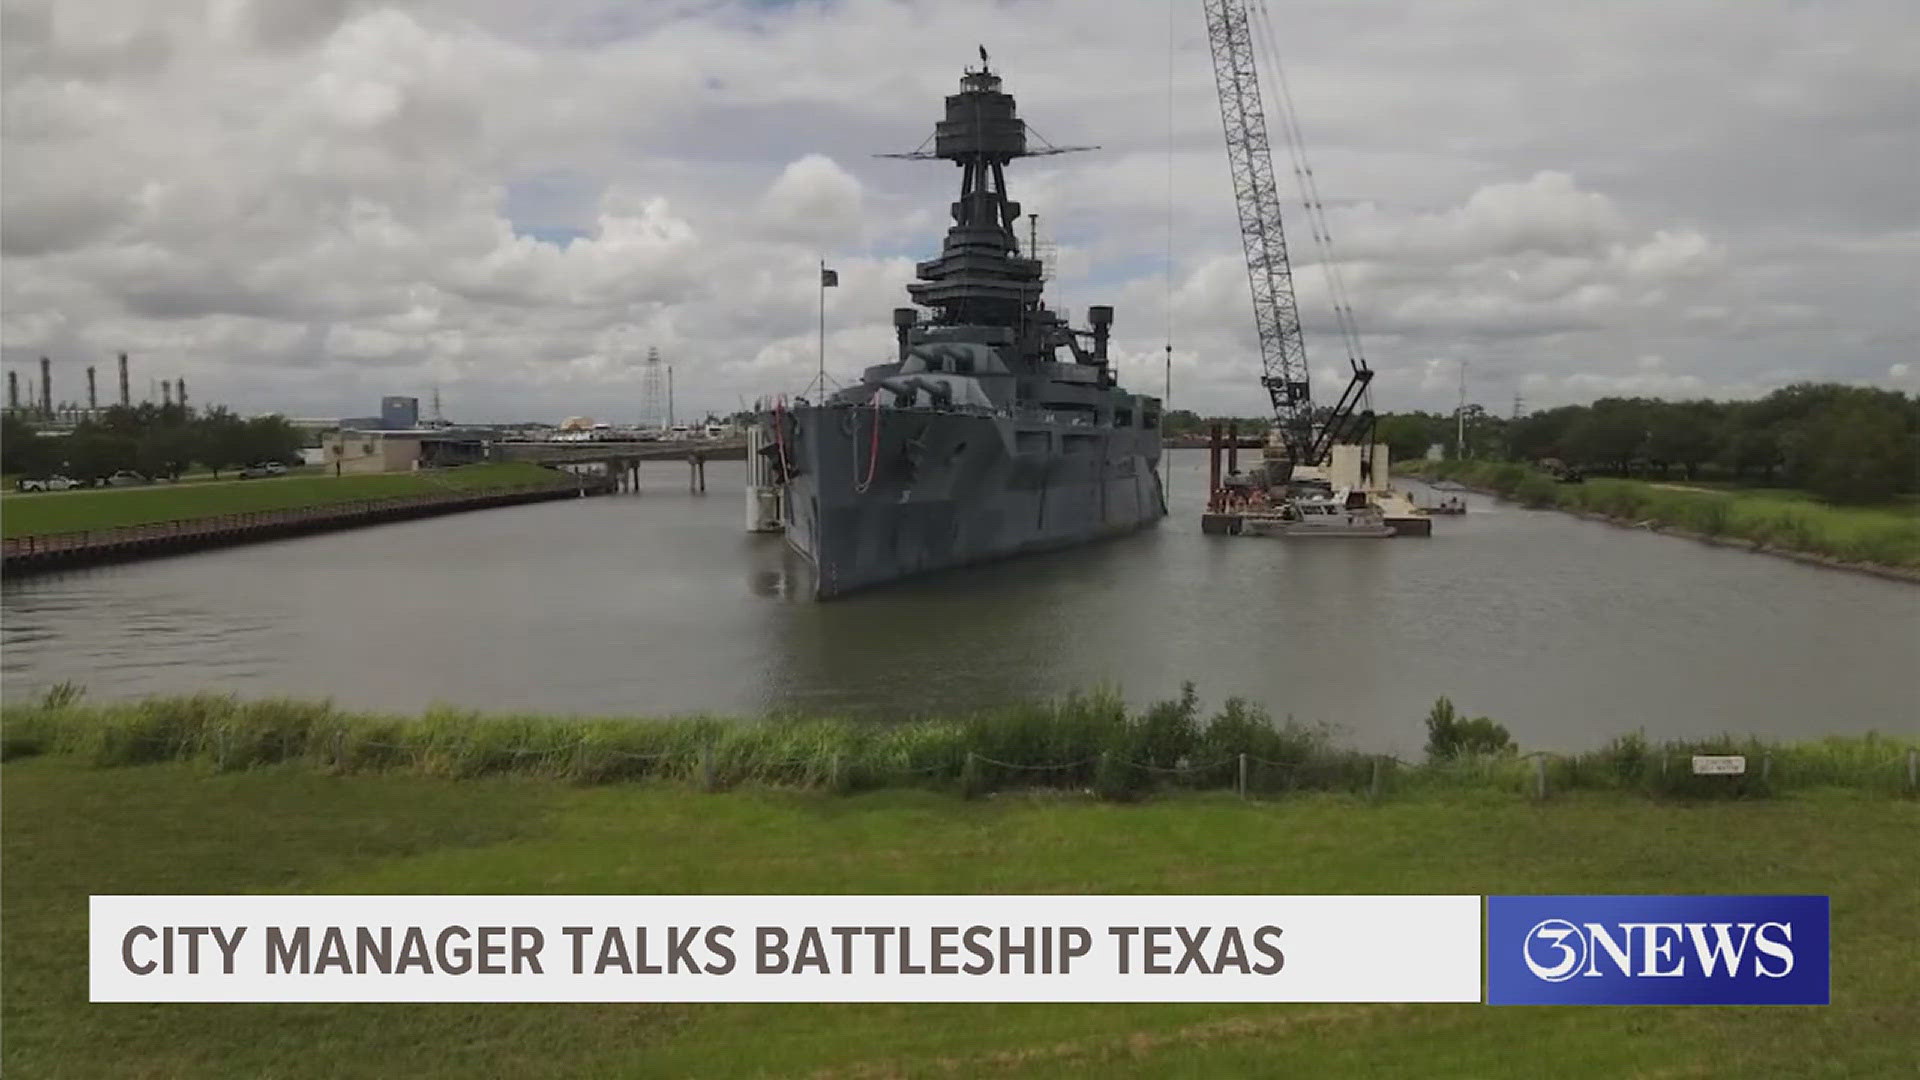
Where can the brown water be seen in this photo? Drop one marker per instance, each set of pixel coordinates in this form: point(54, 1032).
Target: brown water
point(1567, 631)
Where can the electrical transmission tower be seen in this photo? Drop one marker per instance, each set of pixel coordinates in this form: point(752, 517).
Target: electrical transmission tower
point(653, 405)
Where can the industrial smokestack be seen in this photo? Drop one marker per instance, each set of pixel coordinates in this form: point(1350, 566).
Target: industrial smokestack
point(166, 393)
point(93, 393)
point(13, 391)
point(126, 397)
point(180, 391)
point(46, 388)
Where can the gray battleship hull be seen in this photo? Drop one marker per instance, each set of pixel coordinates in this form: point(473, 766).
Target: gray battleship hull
point(936, 490)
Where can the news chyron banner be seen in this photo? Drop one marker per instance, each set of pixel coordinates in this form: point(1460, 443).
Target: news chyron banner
point(785, 948)
point(1658, 950)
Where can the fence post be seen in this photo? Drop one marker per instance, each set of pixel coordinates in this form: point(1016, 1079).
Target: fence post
point(1373, 788)
point(340, 748)
point(706, 766)
point(1913, 770)
point(833, 774)
point(969, 776)
point(1243, 775)
point(1540, 777)
point(1766, 767)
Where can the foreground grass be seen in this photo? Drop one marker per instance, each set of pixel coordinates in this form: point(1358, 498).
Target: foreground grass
point(178, 828)
point(71, 511)
point(1081, 742)
point(1885, 535)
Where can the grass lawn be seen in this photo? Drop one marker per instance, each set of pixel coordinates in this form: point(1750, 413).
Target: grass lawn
point(9, 485)
point(71, 830)
point(69, 511)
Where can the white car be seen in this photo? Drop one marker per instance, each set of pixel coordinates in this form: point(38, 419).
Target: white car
point(45, 483)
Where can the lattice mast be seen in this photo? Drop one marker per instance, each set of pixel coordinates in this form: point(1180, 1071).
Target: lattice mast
point(1276, 314)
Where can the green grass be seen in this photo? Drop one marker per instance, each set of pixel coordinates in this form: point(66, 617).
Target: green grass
point(1079, 743)
point(1887, 534)
point(71, 511)
point(71, 831)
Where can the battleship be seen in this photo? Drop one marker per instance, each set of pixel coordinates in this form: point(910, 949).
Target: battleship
point(998, 430)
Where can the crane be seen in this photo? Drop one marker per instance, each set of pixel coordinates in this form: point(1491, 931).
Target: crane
point(1276, 313)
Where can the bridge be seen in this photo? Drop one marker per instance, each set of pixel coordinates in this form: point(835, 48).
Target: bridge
point(622, 459)
point(566, 453)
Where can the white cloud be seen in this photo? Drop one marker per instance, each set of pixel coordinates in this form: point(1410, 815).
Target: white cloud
point(814, 200)
point(309, 203)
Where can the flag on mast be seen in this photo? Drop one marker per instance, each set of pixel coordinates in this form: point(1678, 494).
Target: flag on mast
point(829, 278)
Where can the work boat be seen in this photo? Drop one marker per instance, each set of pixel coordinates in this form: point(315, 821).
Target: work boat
point(998, 430)
point(1347, 513)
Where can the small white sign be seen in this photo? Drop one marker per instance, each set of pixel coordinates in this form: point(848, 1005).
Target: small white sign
point(1719, 765)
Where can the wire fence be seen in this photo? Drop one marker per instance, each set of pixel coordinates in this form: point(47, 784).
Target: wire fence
point(717, 763)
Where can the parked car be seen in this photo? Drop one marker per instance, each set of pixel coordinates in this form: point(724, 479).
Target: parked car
point(125, 478)
point(45, 483)
point(262, 468)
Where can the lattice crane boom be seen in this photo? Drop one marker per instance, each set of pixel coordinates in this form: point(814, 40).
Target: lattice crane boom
point(1276, 314)
point(1283, 352)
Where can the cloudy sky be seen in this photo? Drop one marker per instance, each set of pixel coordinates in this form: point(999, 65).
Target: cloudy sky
point(305, 204)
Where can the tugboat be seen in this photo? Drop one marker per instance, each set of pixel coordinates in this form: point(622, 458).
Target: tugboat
point(999, 429)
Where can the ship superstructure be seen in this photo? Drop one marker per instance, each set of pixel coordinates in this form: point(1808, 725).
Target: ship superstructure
point(998, 429)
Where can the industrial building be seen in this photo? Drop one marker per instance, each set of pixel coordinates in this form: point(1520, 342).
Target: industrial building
point(350, 451)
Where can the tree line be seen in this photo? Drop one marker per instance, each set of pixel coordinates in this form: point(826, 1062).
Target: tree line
point(1842, 443)
point(153, 440)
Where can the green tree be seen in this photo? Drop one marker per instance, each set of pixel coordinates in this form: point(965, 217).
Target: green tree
point(91, 453)
point(166, 451)
point(220, 440)
point(1685, 433)
point(1450, 734)
point(1406, 435)
point(1749, 443)
point(271, 438)
point(1609, 436)
point(1859, 451)
point(22, 450)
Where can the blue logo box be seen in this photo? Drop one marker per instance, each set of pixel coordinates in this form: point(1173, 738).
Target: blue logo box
point(1657, 950)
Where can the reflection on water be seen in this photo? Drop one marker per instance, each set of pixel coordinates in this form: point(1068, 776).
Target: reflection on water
point(656, 602)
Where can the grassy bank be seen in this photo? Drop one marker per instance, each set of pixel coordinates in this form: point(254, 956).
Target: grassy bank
point(9, 482)
point(71, 511)
point(1088, 743)
point(71, 831)
point(1790, 521)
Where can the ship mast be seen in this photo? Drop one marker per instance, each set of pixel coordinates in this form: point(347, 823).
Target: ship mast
point(982, 278)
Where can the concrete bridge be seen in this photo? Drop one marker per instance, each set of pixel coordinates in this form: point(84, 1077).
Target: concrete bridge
point(621, 460)
point(566, 453)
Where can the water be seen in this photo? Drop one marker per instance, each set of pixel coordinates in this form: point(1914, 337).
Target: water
point(1566, 631)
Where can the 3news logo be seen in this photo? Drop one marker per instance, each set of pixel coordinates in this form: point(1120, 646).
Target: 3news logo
point(1657, 950)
